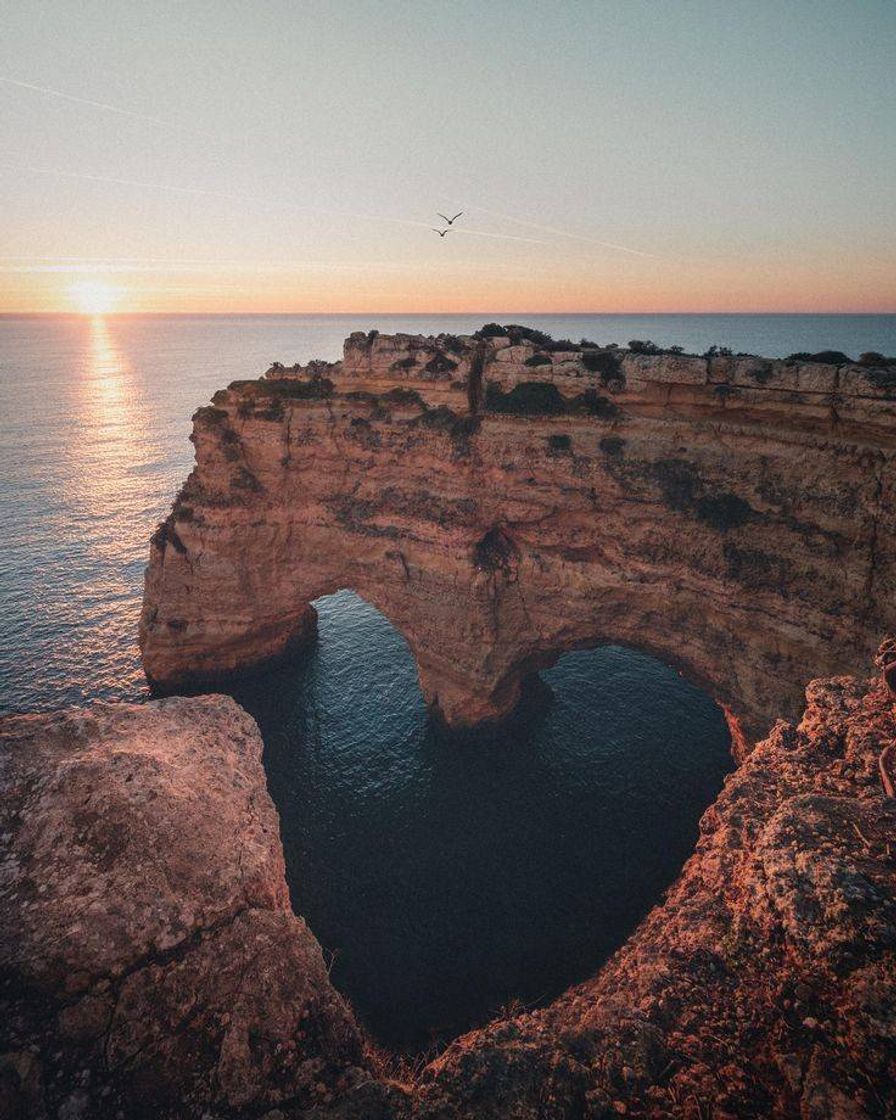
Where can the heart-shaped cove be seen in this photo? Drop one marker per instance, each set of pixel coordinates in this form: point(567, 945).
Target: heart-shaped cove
point(449, 877)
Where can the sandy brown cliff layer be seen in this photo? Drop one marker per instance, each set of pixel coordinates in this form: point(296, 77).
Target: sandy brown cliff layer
point(150, 966)
point(501, 503)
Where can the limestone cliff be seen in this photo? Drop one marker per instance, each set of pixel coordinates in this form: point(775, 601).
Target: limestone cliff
point(503, 499)
point(764, 986)
point(150, 967)
point(150, 964)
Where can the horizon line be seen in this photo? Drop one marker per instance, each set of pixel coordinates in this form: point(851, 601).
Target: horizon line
point(417, 314)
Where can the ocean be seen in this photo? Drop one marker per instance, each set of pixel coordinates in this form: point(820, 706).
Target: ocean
point(446, 879)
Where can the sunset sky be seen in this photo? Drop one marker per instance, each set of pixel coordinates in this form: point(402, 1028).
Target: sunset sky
point(281, 155)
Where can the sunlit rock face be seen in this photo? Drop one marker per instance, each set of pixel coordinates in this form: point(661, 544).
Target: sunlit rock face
point(504, 499)
point(150, 964)
point(763, 986)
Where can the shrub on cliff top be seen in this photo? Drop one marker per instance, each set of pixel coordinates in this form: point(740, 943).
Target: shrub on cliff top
point(210, 415)
point(607, 364)
point(883, 378)
point(638, 346)
point(291, 388)
point(824, 357)
point(452, 342)
point(875, 358)
point(517, 333)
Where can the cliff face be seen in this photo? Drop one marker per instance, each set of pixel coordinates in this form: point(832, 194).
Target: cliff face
point(150, 964)
point(764, 986)
point(501, 503)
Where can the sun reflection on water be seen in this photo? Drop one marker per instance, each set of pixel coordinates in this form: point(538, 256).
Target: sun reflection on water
point(106, 372)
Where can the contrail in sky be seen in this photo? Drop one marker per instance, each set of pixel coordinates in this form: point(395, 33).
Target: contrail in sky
point(59, 173)
point(99, 105)
point(49, 91)
point(565, 233)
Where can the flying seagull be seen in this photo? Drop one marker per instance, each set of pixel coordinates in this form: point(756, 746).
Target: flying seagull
point(450, 221)
point(440, 232)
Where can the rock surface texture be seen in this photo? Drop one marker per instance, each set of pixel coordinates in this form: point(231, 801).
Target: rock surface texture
point(151, 967)
point(764, 986)
point(504, 499)
point(150, 964)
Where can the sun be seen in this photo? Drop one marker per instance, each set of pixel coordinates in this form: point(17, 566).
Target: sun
point(93, 297)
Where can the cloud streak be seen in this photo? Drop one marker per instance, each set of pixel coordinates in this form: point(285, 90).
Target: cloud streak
point(566, 233)
point(104, 105)
point(230, 196)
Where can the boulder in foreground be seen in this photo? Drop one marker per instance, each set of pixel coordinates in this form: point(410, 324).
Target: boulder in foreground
point(149, 960)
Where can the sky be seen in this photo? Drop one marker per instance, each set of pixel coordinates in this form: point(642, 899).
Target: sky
point(290, 156)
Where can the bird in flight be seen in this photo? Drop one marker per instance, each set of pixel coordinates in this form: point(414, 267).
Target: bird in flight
point(440, 232)
point(450, 221)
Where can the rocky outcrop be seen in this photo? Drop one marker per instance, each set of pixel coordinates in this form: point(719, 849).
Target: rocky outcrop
point(503, 499)
point(150, 964)
point(764, 986)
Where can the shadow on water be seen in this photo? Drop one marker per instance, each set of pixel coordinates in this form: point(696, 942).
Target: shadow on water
point(452, 876)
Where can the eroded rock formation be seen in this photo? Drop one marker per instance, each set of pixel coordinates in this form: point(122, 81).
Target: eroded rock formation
point(502, 500)
point(764, 986)
point(150, 964)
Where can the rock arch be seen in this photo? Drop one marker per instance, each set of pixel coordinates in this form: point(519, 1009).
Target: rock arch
point(502, 500)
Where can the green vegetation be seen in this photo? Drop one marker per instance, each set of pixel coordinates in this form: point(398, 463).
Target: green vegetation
point(723, 511)
point(681, 487)
point(399, 395)
point(166, 534)
point(608, 365)
point(452, 342)
point(560, 443)
point(529, 398)
point(495, 552)
point(209, 415)
point(825, 357)
point(537, 360)
point(873, 358)
point(440, 363)
point(542, 398)
point(516, 333)
point(458, 428)
point(613, 446)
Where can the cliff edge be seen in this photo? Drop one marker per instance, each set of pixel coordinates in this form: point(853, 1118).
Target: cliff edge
point(503, 498)
point(150, 965)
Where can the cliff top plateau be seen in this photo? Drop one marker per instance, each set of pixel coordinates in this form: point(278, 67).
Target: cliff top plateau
point(502, 498)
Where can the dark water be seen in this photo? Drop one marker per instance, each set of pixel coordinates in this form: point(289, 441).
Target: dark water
point(447, 877)
point(450, 877)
